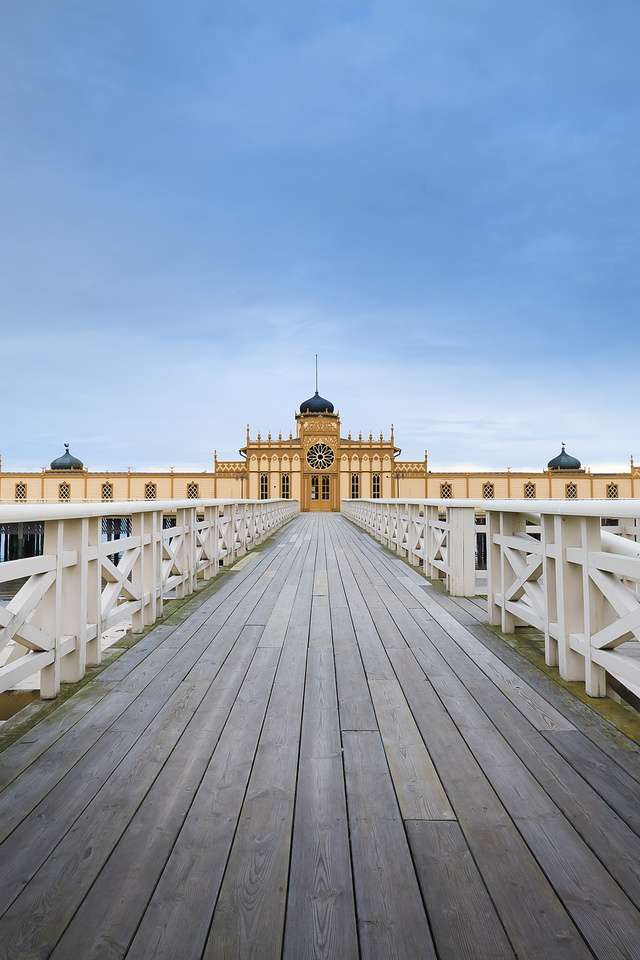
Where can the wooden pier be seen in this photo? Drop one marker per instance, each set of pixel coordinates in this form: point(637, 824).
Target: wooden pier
point(327, 758)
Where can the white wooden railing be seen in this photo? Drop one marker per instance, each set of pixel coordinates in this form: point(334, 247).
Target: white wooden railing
point(438, 535)
point(74, 592)
point(550, 564)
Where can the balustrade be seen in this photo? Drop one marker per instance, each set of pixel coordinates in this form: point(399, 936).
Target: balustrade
point(79, 588)
point(569, 569)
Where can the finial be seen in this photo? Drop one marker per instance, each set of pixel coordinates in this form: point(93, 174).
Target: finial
point(370, 436)
point(316, 373)
point(349, 437)
point(360, 435)
point(269, 437)
point(66, 446)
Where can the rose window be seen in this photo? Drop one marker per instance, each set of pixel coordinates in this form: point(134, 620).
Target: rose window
point(320, 456)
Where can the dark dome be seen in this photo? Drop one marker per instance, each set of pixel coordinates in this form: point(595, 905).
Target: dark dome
point(316, 404)
point(67, 461)
point(564, 462)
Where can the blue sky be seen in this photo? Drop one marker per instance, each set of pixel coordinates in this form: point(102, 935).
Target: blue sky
point(439, 198)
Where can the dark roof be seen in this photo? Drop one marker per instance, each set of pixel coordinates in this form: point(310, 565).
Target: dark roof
point(67, 461)
point(316, 404)
point(564, 462)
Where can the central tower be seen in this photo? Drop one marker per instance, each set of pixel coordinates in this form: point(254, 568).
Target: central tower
point(318, 431)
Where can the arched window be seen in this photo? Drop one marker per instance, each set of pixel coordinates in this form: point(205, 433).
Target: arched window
point(325, 488)
point(355, 486)
point(21, 491)
point(192, 491)
point(264, 486)
point(375, 486)
point(612, 491)
point(285, 487)
point(64, 491)
point(445, 491)
point(150, 491)
point(572, 491)
point(107, 491)
point(530, 491)
point(487, 491)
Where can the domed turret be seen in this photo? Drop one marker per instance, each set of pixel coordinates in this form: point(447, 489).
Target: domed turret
point(316, 404)
point(564, 462)
point(67, 461)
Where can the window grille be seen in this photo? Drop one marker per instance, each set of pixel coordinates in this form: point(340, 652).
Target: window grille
point(264, 486)
point(325, 488)
point(150, 491)
point(21, 491)
point(64, 491)
point(355, 486)
point(612, 491)
point(572, 491)
point(375, 486)
point(487, 491)
point(285, 486)
point(107, 491)
point(192, 491)
point(530, 491)
point(445, 491)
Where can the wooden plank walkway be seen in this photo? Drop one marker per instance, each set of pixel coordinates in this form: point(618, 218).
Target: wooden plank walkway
point(327, 759)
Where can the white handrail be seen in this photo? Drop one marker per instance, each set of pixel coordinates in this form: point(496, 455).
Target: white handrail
point(550, 565)
point(74, 591)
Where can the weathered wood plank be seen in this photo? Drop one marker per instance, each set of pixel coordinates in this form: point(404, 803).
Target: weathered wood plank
point(356, 708)
point(320, 920)
point(249, 917)
point(177, 919)
point(391, 918)
point(534, 918)
point(116, 902)
point(463, 919)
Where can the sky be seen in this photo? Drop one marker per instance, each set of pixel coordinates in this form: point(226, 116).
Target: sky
point(440, 198)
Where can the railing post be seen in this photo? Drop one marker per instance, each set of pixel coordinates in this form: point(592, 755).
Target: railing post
point(569, 594)
point(211, 542)
point(47, 616)
point(72, 616)
point(147, 573)
point(461, 579)
point(494, 568)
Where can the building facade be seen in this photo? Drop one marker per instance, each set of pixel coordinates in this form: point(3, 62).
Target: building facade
point(319, 468)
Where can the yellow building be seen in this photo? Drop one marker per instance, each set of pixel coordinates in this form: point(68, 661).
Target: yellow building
point(318, 467)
